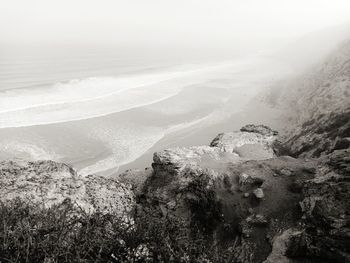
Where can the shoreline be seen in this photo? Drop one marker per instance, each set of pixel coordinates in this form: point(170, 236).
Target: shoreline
point(254, 112)
point(127, 139)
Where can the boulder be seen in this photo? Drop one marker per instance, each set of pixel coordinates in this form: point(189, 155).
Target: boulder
point(50, 183)
point(259, 193)
point(246, 142)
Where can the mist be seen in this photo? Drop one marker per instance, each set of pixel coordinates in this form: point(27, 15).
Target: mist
point(185, 23)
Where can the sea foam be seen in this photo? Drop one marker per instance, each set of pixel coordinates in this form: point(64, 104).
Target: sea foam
point(93, 97)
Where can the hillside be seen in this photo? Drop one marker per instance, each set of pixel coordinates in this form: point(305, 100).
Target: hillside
point(317, 106)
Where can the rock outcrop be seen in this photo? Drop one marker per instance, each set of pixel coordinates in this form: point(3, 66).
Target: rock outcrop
point(50, 183)
point(252, 207)
point(252, 142)
point(294, 207)
point(229, 196)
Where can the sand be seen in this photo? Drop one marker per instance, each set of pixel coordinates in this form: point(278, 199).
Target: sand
point(256, 112)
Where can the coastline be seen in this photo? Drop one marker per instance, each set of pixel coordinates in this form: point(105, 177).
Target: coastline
point(127, 139)
point(254, 112)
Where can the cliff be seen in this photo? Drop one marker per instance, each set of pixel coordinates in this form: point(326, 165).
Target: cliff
point(317, 106)
point(236, 196)
point(248, 196)
point(249, 206)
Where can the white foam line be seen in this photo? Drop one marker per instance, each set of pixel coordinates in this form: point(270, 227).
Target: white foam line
point(91, 116)
point(167, 76)
point(25, 116)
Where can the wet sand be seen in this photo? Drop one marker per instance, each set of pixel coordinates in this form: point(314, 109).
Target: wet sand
point(256, 112)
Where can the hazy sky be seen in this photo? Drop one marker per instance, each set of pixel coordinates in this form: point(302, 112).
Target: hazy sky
point(165, 21)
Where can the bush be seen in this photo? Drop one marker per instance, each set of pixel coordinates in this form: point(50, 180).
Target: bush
point(64, 233)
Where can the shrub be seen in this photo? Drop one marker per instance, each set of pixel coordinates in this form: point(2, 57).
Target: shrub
point(64, 233)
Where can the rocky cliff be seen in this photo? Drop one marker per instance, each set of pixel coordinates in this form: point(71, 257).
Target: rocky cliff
point(317, 106)
point(248, 196)
point(249, 206)
point(243, 200)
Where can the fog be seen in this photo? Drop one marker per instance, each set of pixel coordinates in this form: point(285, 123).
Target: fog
point(189, 23)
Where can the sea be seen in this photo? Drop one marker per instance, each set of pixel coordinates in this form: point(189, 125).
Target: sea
point(100, 107)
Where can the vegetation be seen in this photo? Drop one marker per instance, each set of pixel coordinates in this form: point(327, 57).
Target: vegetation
point(64, 233)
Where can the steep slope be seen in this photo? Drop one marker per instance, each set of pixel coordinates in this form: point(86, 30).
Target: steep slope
point(317, 106)
point(273, 208)
point(235, 201)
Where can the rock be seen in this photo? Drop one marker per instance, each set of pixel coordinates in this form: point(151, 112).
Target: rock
point(234, 141)
point(280, 246)
point(51, 183)
point(220, 153)
point(202, 186)
point(259, 193)
point(245, 179)
point(136, 178)
point(286, 172)
point(320, 120)
point(342, 143)
point(339, 161)
point(177, 159)
point(325, 208)
point(245, 229)
point(261, 129)
point(257, 220)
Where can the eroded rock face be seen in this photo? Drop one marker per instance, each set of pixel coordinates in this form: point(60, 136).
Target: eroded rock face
point(216, 200)
point(245, 143)
point(319, 127)
point(322, 135)
point(326, 207)
point(279, 204)
point(49, 183)
point(323, 231)
point(178, 169)
point(225, 148)
point(319, 121)
point(136, 178)
point(214, 189)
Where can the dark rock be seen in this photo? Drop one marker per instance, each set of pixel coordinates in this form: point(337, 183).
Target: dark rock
point(245, 179)
point(340, 161)
point(261, 129)
point(343, 143)
point(257, 219)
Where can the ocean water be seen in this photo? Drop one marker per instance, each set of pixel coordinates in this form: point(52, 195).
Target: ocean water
point(99, 108)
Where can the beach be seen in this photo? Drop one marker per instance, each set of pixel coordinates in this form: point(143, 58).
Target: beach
point(105, 121)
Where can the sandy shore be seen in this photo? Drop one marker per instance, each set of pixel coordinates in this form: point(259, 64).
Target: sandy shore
point(254, 112)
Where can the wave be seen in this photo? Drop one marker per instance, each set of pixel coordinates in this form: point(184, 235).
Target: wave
point(126, 145)
point(94, 97)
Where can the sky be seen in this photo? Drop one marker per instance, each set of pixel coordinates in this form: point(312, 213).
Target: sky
point(167, 22)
